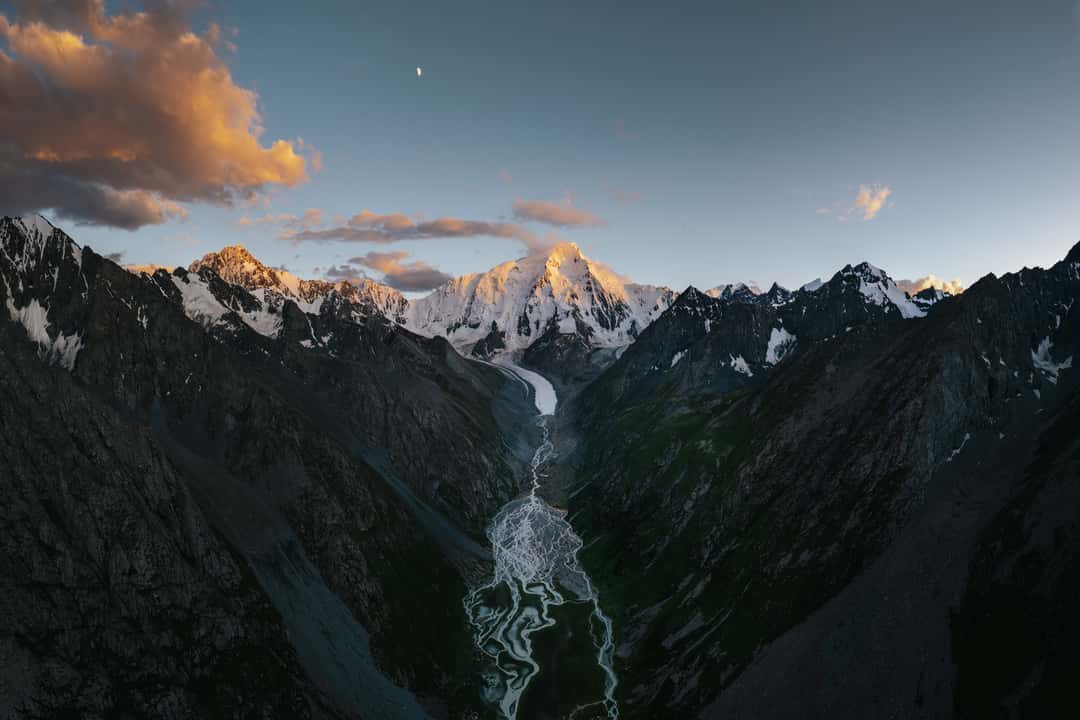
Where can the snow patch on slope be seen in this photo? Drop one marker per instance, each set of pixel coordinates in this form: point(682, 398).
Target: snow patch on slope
point(739, 365)
point(63, 349)
point(1041, 359)
point(780, 342)
point(203, 307)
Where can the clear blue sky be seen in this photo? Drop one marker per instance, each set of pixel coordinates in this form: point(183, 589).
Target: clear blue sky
point(718, 141)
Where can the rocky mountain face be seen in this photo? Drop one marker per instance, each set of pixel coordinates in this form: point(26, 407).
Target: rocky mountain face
point(567, 312)
point(235, 265)
point(221, 502)
point(723, 341)
point(847, 503)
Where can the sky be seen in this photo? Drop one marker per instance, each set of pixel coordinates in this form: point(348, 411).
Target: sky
point(681, 143)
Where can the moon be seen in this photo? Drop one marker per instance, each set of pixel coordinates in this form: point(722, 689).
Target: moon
point(419, 72)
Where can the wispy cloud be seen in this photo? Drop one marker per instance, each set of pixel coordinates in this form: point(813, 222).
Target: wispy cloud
point(505, 177)
point(370, 227)
point(312, 218)
point(122, 116)
point(626, 196)
point(413, 276)
point(869, 201)
point(562, 214)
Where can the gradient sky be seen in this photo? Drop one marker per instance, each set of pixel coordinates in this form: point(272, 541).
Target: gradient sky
point(717, 141)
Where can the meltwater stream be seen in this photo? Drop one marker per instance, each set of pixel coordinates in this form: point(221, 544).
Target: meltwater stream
point(536, 569)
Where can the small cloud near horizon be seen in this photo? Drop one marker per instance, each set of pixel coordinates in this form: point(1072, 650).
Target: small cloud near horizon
point(869, 201)
point(953, 287)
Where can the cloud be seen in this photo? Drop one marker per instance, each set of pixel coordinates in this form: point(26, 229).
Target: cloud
point(505, 177)
point(343, 272)
point(273, 219)
point(562, 214)
point(626, 196)
point(28, 190)
point(312, 218)
point(870, 200)
point(370, 227)
point(116, 257)
point(414, 276)
point(114, 119)
point(953, 287)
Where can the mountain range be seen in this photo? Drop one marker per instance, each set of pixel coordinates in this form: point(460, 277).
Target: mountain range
point(229, 491)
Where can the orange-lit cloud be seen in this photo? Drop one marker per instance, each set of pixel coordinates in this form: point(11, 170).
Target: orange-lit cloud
point(953, 287)
point(311, 218)
point(870, 199)
point(113, 119)
point(369, 227)
point(415, 276)
point(408, 276)
point(562, 214)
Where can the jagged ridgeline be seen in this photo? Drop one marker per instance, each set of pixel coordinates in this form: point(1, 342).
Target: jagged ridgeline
point(226, 502)
point(228, 491)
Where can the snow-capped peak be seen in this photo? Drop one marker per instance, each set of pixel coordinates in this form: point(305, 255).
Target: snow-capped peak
point(729, 290)
point(880, 289)
point(24, 240)
point(522, 299)
point(36, 224)
point(236, 265)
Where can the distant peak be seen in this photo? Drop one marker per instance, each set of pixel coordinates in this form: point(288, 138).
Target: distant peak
point(870, 269)
point(691, 296)
point(565, 251)
point(728, 290)
point(229, 253)
point(37, 222)
point(867, 272)
point(229, 261)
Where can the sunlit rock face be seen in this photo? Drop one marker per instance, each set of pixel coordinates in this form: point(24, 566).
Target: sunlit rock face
point(234, 264)
point(559, 290)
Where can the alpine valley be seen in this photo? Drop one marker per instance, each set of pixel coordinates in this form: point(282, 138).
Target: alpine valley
point(541, 491)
